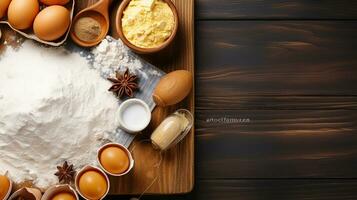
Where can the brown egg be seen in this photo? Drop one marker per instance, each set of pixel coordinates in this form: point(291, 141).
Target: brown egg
point(115, 160)
point(173, 88)
point(54, 2)
point(21, 13)
point(64, 196)
point(51, 23)
point(93, 185)
point(4, 4)
point(4, 186)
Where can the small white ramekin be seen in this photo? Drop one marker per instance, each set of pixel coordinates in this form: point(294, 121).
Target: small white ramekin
point(125, 105)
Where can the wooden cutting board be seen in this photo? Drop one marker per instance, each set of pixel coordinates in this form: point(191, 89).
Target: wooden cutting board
point(176, 172)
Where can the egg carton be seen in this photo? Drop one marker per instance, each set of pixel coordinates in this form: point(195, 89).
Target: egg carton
point(30, 35)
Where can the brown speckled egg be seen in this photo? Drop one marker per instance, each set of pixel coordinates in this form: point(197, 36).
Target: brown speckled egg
point(21, 13)
point(52, 23)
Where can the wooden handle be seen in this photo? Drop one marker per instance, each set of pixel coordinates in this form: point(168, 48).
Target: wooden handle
point(102, 6)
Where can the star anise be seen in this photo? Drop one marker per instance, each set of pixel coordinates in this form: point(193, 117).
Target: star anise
point(65, 173)
point(124, 84)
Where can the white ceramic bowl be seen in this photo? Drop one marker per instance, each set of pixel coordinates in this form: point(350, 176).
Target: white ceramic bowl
point(141, 126)
point(131, 160)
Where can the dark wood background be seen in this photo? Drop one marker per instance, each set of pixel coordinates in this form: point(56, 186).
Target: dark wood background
point(283, 74)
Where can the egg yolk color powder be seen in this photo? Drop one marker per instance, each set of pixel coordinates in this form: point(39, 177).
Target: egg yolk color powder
point(148, 23)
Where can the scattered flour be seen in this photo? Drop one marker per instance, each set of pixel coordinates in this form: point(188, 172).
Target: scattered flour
point(112, 55)
point(53, 107)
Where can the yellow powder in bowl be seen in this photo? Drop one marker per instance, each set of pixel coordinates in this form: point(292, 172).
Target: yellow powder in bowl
point(148, 23)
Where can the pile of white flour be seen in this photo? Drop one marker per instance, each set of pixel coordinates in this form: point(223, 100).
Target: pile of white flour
point(112, 55)
point(53, 108)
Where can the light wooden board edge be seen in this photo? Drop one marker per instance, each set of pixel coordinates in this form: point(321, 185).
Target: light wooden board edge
point(189, 102)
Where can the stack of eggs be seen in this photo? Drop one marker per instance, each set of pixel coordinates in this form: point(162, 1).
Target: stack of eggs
point(49, 23)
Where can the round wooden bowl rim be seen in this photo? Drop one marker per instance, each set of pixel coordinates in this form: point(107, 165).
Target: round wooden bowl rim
point(137, 49)
point(94, 42)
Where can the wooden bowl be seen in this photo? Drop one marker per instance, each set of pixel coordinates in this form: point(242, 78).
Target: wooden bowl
point(141, 50)
point(99, 12)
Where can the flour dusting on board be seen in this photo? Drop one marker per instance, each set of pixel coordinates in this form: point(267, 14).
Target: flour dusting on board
point(112, 55)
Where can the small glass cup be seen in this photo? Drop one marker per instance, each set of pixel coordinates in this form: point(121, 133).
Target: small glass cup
point(172, 130)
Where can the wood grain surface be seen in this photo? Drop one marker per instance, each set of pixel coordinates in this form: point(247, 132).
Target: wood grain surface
point(296, 83)
point(276, 189)
point(176, 171)
point(276, 9)
point(174, 168)
point(179, 160)
point(277, 58)
point(290, 68)
point(277, 144)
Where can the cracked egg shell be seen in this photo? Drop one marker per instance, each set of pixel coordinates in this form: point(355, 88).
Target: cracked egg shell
point(5, 187)
point(60, 192)
point(26, 193)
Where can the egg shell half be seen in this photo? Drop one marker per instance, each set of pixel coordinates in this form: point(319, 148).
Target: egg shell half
point(21, 13)
point(173, 88)
point(92, 184)
point(5, 186)
point(52, 23)
point(60, 192)
point(64, 196)
point(115, 160)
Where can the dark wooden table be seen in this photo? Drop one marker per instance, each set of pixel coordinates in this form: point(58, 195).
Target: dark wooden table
point(276, 90)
